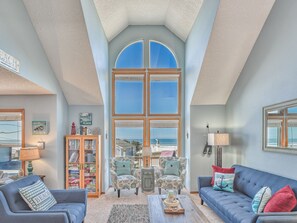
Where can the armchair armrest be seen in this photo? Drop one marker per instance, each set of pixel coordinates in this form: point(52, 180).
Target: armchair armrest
point(204, 182)
point(183, 175)
point(137, 173)
point(158, 173)
point(70, 196)
point(277, 217)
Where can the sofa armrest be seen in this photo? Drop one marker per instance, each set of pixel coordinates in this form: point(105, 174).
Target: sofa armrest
point(204, 182)
point(70, 196)
point(277, 217)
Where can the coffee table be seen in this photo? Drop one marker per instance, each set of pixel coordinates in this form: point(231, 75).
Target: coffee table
point(192, 213)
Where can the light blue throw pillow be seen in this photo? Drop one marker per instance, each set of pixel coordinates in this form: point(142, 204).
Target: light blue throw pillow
point(37, 196)
point(261, 199)
point(171, 167)
point(123, 167)
point(224, 182)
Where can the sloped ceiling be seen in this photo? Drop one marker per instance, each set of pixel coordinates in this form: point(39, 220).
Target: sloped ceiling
point(236, 29)
point(62, 31)
point(178, 16)
point(14, 84)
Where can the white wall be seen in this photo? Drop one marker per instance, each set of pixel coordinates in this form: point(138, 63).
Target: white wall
point(194, 53)
point(268, 77)
point(99, 45)
point(19, 39)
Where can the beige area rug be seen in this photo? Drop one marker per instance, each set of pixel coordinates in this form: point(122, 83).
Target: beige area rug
point(129, 213)
point(100, 208)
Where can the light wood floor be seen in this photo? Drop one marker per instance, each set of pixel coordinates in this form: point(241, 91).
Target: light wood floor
point(99, 208)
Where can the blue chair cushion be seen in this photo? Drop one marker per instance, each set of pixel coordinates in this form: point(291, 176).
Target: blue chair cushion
point(75, 210)
point(123, 167)
point(235, 206)
point(171, 167)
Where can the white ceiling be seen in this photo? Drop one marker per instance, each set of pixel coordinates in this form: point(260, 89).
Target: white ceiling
point(14, 84)
point(236, 29)
point(62, 31)
point(177, 15)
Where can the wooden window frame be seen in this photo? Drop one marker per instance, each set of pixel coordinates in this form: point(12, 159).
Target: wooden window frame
point(22, 111)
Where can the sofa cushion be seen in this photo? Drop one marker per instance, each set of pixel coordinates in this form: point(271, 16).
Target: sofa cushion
point(234, 206)
point(283, 200)
point(249, 181)
point(260, 200)
point(37, 196)
point(217, 169)
point(75, 210)
point(224, 182)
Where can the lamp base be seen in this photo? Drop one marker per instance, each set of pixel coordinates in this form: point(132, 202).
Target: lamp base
point(219, 156)
point(30, 168)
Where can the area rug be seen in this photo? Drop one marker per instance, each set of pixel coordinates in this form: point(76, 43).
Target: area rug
point(129, 213)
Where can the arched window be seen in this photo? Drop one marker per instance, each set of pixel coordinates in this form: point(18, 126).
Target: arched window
point(131, 56)
point(161, 56)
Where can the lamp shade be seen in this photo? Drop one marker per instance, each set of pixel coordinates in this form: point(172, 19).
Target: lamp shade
point(28, 154)
point(218, 139)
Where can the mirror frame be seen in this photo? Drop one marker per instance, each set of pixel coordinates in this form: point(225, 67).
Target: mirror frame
point(282, 105)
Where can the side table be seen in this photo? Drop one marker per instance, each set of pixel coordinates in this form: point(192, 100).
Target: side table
point(148, 179)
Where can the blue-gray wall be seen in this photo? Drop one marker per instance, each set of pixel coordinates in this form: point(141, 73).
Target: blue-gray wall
point(194, 53)
point(268, 77)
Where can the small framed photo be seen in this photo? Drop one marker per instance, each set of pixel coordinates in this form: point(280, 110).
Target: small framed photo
point(85, 118)
point(40, 127)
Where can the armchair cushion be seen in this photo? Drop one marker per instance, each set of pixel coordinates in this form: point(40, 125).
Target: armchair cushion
point(170, 182)
point(37, 196)
point(75, 210)
point(171, 167)
point(123, 167)
point(127, 181)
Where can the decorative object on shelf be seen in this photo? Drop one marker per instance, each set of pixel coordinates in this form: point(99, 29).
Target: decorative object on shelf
point(218, 139)
point(146, 156)
point(29, 154)
point(85, 118)
point(41, 144)
point(73, 129)
point(40, 127)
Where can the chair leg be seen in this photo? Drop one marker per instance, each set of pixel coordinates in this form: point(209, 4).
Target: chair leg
point(119, 192)
point(202, 202)
point(178, 191)
point(115, 189)
point(136, 191)
point(159, 190)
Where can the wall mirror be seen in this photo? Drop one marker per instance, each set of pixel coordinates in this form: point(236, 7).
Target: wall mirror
point(280, 127)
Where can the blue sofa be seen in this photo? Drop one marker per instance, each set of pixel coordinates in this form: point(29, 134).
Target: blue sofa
point(237, 207)
point(70, 208)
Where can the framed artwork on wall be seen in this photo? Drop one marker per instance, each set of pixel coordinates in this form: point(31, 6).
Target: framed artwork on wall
point(40, 127)
point(85, 118)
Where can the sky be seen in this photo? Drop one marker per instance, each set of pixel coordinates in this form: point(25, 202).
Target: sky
point(163, 94)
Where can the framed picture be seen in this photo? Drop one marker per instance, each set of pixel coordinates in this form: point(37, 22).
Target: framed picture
point(85, 118)
point(40, 128)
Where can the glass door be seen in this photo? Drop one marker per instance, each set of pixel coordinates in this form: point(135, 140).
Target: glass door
point(90, 163)
point(73, 163)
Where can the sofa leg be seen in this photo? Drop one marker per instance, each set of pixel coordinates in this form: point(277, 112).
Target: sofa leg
point(159, 190)
point(119, 192)
point(178, 191)
point(136, 191)
point(202, 202)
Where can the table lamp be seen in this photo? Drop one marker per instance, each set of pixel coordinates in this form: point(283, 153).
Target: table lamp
point(146, 156)
point(218, 140)
point(29, 154)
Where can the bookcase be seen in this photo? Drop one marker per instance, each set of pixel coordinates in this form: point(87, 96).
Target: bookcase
point(83, 163)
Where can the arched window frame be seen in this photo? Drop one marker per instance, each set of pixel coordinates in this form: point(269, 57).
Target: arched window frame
point(120, 53)
point(170, 50)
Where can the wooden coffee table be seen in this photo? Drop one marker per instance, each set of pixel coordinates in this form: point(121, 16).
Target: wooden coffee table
point(192, 213)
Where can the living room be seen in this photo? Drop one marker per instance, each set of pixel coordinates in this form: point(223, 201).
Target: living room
point(234, 59)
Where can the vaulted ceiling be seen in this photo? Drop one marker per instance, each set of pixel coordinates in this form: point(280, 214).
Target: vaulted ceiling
point(178, 16)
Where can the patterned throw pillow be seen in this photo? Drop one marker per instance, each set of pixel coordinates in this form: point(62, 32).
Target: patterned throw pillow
point(217, 169)
point(260, 200)
point(37, 196)
point(123, 167)
point(224, 182)
point(171, 167)
point(283, 200)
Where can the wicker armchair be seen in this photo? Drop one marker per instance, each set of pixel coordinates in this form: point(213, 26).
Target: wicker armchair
point(171, 181)
point(124, 181)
